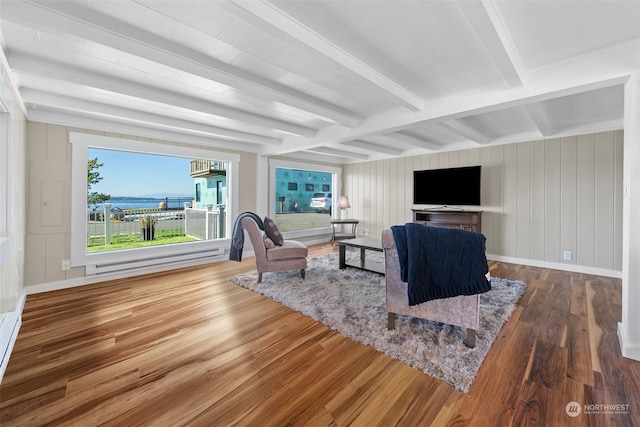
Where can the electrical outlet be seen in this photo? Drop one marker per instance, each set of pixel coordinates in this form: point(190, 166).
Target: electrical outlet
point(567, 255)
point(66, 264)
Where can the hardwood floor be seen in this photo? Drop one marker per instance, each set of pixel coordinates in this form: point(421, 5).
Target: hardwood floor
point(187, 347)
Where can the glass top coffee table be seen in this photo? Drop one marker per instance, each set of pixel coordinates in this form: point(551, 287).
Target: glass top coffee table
point(364, 244)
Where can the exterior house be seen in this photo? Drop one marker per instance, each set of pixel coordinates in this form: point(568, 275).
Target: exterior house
point(210, 183)
point(295, 188)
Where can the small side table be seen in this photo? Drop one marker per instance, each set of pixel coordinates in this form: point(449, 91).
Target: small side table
point(341, 235)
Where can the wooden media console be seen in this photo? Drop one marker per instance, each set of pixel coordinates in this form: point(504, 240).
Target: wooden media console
point(466, 220)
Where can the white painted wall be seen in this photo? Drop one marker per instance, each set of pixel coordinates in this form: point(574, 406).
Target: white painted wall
point(539, 198)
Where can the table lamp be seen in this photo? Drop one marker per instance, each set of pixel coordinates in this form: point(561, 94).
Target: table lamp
point(343, 204)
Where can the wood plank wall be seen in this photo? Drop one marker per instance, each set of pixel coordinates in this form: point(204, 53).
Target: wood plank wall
point(539, 198)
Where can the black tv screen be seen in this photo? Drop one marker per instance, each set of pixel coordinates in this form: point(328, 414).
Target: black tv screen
point(447, 187)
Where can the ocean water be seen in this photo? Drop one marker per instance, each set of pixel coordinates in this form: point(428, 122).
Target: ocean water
point(142, 202)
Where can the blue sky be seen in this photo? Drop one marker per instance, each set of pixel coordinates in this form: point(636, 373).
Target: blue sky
point(134, 174)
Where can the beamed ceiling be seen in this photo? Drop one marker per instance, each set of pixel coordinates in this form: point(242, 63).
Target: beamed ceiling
point(334, 81)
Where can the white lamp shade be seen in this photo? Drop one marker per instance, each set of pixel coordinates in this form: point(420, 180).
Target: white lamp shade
point(343, 203)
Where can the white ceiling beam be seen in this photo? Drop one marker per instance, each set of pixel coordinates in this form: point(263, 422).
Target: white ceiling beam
point(492, 31)
point(384, 140)
point(460, 128)
point(317, 157)
point(414, 141)
point(330, 151)
point(50, 70)
point(115, 34)
point(262, 12)
point(376, 148)
point(54, 102)
point(540, 118)
point(81, 122)
point(395, 139)
point(545, 84)
point(593, 127)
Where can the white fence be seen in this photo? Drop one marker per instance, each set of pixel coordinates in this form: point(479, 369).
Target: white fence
point(201, 224)
point(204, 224)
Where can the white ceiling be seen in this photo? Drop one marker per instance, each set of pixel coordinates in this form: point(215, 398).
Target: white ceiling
point(335, 81)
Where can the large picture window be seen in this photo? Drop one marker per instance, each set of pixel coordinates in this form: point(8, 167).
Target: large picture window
point(303, 195)
point(138, 200)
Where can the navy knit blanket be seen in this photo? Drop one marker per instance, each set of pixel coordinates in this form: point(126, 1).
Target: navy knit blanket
point(439, 262)
point(237, 235)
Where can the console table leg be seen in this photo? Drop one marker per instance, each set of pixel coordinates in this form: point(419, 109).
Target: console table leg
point(341, 255)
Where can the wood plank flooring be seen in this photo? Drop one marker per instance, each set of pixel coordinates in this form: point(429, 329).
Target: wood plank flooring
point(187, 347)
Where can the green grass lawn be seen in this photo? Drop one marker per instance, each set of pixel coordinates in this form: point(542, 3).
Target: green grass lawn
point(134, 240)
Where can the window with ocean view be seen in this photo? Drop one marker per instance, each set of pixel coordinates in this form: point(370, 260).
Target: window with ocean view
point(141, 199)
point(147, 199)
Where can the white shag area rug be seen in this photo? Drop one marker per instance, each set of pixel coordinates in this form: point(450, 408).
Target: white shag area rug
point(352, 302)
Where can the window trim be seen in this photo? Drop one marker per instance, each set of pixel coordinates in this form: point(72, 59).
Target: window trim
point(336, 183)
point(81, 142)
point(6, 170)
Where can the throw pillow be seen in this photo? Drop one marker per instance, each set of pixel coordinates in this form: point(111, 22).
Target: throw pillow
point(272, 231)
point(268, 243)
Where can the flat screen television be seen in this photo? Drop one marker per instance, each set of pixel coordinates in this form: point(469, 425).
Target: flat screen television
point(447, 187)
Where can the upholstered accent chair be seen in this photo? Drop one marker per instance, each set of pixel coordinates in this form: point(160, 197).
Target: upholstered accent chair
point(462, 311)
point(291, 255)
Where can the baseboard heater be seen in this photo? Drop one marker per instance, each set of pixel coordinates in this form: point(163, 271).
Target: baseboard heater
point(155, 264)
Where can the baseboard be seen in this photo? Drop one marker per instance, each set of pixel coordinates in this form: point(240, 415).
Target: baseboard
point(71, 283)
point(144, 265)
point(558, 266)
point(9, 329)
point(628, 350)
point(81, 281)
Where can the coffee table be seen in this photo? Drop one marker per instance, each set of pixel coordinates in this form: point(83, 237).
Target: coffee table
point(364, 244)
